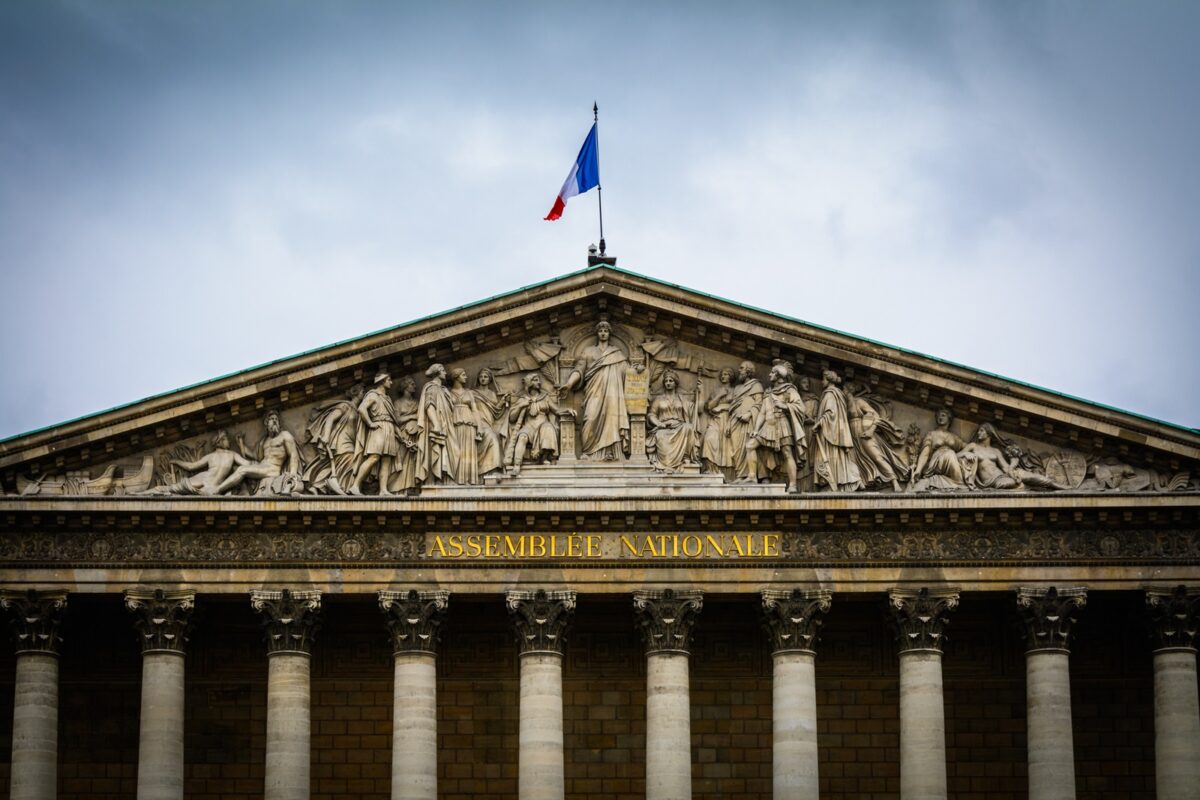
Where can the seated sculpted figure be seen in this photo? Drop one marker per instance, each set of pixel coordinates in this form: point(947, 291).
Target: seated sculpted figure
point(533, 434)
point(214, 468)
point(983, 465)
point(938, 467)
point(277, 457)
point(671, 441)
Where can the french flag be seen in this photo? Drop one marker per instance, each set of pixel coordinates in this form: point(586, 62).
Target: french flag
point(584, 174)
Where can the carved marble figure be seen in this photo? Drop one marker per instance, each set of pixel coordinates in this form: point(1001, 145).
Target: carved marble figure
point(276, 456)
point(404, 477)
point(437, 448)
point(878, 441)
point(714, 448)
point(210, 470)
point(335, 432)
point(671, 440)
point(382, 444)
point(533, 434)
point(493, 421)
point(778, 436)
point(938, 467)
point(466, 431)
point(835, 464)
point(601, 371)
point(744, 403)
point(983, 464)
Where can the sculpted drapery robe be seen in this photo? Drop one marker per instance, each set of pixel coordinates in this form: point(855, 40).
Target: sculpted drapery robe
point(834, 458)
point(745, 400)
point(602, 369)
point(437, 446)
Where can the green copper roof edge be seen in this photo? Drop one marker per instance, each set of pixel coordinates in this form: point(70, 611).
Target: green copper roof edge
point(623, 271)
point(917, 353)
point(301, 354)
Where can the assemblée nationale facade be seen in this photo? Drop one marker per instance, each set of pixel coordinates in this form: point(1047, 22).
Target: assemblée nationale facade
point(602, 537)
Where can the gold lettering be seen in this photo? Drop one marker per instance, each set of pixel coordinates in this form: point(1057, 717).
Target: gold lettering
point(573, 543)
point(674, 545)
point(592, 539)
point(771, 544)
point(737, 544)
point(750, 539)
point(554, 546)
point(491, 545)
point(474, 547)
point(537, 546)
point(514, 546)
point(624, 541)
point(456, 545)
point(648, 544)
point(714, 544)
point(438, 547)
point(690, 540)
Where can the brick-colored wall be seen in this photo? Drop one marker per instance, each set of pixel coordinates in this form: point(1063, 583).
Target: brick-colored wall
point(604, 702)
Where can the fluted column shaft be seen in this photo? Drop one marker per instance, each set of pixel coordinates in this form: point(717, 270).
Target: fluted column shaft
point(35, 727)
point(35, 618)
point(1175, 618)
point(1048, 617)
point(541, 620)
point(162, 618)
point(290, 622)
point(792, 619)
point(414, 619)
point(666, 619)
point(920, 618)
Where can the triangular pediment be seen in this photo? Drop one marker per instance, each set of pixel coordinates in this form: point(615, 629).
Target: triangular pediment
point(885, 425)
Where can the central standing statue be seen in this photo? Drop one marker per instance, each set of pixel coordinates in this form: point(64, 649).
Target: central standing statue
point(601, 369)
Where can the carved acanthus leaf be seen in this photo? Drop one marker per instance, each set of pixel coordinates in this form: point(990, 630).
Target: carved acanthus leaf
point(162, 617)
point(666, 618)
point(793, 618)
point(414, 619)
point(290, 619)
point(1174, 616)
point(35, 617)
point(1048, 616)
point(920, 617)
point(541, 619)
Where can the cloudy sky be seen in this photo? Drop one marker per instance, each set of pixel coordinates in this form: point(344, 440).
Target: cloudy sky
point(188, 189)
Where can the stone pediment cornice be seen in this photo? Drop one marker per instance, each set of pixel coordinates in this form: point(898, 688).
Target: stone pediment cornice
point(692, 318)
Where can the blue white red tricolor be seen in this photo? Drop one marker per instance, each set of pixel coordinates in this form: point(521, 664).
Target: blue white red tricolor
point(584, 174)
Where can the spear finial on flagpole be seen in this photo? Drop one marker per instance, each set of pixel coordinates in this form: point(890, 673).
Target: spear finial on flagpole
point(599, 189)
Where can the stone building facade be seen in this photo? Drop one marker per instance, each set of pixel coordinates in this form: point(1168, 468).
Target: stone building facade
point(602, 537)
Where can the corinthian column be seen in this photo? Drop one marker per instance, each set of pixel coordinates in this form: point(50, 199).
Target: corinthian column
point(541, 619)
point(35, 618)
point(162, 619)
point(1047, 615)
point(792, 620)
point(1175, 617)
point(920, 619)
point(414, 619)
point(290, 621)
point(666, 619)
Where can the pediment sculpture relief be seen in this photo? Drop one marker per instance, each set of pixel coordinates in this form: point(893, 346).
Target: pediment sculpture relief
point(610, 394)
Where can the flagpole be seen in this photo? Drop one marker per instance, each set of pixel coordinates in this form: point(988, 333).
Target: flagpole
point(599, 197)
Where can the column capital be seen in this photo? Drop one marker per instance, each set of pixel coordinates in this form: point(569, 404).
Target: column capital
point(35, 617)
point(1174, 616)
point(541, 619)
point(793, 618)
point(414, 619)
point(290, 619)
point(920, 617)
point(1047, 616)
point(162, 617)
point(666, 618)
